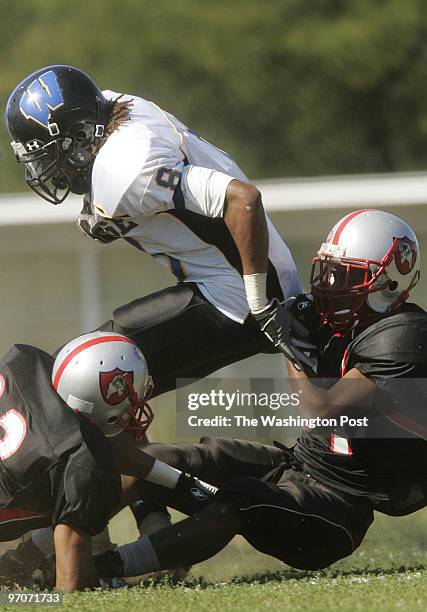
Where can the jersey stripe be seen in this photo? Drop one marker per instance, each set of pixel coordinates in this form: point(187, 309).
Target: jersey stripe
point(344, 224)
point(83, 347)
point(215, 232)
point(344, 362)
point(178, 197)
point(176, 268)
point(18, 514)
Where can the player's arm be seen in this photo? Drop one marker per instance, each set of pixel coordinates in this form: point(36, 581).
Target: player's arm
point(245, 219)
point(133, 461)
point(75, 569)
point(239, 203)
point(352, 392)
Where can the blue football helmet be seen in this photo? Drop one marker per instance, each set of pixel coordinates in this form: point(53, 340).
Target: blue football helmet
point(56, 117)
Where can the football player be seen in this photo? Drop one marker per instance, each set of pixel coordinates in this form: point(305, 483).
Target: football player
point(315, 502)
point(59, 469)
point(151, 180)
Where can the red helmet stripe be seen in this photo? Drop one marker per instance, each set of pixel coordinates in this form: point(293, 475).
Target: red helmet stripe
point(344, 224)
point(81, 348)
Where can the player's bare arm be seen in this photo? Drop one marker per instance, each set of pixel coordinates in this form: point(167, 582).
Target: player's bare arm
point(131, 459)
point(339, 398)
point(137, 466)
point(245, 218)
point(75, 569)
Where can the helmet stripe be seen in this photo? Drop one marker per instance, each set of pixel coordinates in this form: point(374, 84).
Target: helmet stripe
point(81, 348)
point(344, 224)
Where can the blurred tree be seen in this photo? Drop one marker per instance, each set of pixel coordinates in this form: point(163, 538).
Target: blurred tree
point(301, 87)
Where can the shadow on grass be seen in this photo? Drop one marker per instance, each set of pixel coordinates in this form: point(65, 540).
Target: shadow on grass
point(280, 576)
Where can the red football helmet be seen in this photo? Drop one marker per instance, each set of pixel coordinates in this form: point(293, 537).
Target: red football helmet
point(369, 264)
point(105, 376)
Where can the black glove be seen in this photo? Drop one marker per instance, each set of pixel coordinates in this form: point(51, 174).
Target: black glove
point(194, 489)
point(303, 309)
point(285, 332)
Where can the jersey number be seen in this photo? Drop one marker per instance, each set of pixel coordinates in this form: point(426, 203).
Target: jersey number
point(168, 178)
point(14, 428)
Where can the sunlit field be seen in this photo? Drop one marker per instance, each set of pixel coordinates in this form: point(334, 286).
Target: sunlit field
point(388, 572)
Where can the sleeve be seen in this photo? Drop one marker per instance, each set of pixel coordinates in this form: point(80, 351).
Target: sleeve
point(395, 347)
point(204, 190)
point(142, 171)
point(394, 356)
point(177, 186)
point(148, 190)
point(90, 488)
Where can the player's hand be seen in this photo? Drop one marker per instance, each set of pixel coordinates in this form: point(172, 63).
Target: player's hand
point(303, 309)
point(285, 332)
point(195, 489)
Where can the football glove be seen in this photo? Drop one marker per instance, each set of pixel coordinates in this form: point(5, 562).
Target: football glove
point(303, 309)
point(285, 332)
point(195, 489)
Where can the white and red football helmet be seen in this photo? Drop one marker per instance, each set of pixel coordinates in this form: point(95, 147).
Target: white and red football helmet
point(105, 377)
point(368, 264)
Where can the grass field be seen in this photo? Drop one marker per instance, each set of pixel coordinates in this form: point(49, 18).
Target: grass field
point(372, 592)
point(387, 572)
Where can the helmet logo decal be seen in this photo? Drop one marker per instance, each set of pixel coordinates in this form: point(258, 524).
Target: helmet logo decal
point(116, 385)
point(33, 145)
point(405, 255)
point(41, 97)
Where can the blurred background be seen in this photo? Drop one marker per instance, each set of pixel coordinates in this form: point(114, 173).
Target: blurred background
point(323, 103)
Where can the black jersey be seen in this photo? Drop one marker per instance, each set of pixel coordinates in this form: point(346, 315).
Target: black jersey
point(387, 468)
point(55, 467)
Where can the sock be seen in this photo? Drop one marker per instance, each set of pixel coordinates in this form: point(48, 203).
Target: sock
point(139, 557)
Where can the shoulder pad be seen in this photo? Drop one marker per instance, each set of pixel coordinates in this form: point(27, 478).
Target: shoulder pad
point(400, 338)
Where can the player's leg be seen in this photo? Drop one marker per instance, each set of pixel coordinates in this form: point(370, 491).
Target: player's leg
point(185, 543)
point(216, 460)
point(191, 541)
point(183, 336)
point(298, 520)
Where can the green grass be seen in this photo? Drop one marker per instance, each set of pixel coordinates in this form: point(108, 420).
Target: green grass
point(370, 591)
point(387, 572)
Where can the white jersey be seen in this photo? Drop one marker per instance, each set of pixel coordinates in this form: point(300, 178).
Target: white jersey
point(161, 187)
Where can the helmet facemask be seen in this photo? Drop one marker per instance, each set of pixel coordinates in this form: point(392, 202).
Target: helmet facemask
point(340, 288)
point(42, 172)
point(61, 165)
point(139, 418)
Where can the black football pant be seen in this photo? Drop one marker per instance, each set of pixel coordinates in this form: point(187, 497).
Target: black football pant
point(183, 336)
point(283, 512)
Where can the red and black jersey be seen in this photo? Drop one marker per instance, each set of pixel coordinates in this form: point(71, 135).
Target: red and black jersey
point(393, 353)
point(55, 467)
